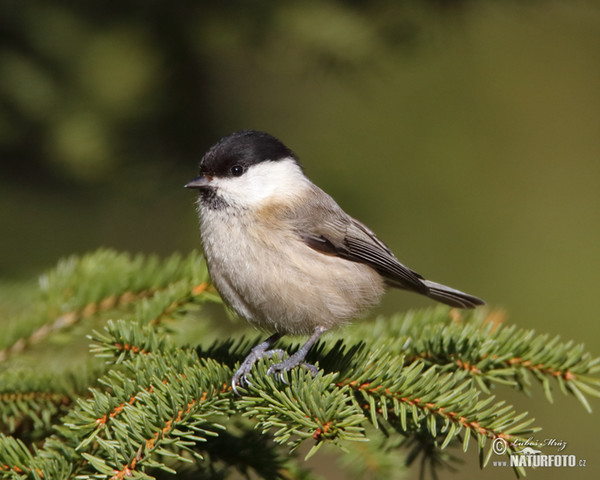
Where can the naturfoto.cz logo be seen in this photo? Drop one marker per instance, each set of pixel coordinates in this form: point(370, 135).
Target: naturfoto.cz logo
point(528, 456)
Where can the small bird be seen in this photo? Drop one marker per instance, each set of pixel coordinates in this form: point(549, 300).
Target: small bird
point(284, 255)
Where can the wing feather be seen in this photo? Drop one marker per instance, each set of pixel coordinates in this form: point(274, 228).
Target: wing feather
point(326, 228)
point(337, 233)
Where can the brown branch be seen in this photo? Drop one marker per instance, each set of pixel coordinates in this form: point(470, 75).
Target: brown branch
point(72, 318)
point(426, 406)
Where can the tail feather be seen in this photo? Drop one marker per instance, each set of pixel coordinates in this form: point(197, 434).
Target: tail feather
point(451, 296)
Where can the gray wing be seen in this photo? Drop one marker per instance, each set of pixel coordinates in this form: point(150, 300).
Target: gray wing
point(336, 233)
point(325, 227)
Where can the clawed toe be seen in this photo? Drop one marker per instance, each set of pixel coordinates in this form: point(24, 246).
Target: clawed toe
point(242, 375)
point(240, 378)
point(279, 369)
point(277, 372)
point(311, 368)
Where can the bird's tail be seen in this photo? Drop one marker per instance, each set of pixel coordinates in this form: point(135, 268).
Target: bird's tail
point(451, 296)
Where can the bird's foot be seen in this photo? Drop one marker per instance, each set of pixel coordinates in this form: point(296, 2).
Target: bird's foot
point(240, 377)
point(297, 359)
point(288, 364)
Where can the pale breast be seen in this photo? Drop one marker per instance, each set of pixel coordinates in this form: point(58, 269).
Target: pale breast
point(270, 277)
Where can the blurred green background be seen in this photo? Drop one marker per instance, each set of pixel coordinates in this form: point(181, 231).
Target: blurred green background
point(466, 134)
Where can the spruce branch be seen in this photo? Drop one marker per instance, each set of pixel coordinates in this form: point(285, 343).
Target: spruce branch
point(416, 396)
point(17, 460)
point(37, 403)
point(376, 384)
point(151, 408)
point(421, 381)
point(32, 401)
point(308, 407)
point(489, 351)
point(100, 282)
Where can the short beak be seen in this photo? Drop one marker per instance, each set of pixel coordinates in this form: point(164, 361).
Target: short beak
point(199, 182)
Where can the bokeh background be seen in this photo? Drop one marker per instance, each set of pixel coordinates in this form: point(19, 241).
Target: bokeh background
point(466, 134)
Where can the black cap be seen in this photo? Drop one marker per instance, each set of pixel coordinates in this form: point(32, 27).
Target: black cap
point(243, 148)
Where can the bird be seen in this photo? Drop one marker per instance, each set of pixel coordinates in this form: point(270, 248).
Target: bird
point(284, 255)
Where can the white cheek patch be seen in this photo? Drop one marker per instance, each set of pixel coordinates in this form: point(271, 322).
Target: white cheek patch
point(262, 181)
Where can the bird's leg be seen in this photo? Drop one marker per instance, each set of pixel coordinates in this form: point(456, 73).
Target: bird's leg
point(297, 359)
point(258, 352)
point(262, 350)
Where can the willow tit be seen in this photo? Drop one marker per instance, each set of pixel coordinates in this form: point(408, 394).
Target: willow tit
point(284, 255)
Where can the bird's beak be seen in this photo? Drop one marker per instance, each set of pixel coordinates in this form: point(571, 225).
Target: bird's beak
point(203, 181)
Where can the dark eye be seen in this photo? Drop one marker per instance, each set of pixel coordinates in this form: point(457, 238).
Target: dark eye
point(237, 170)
